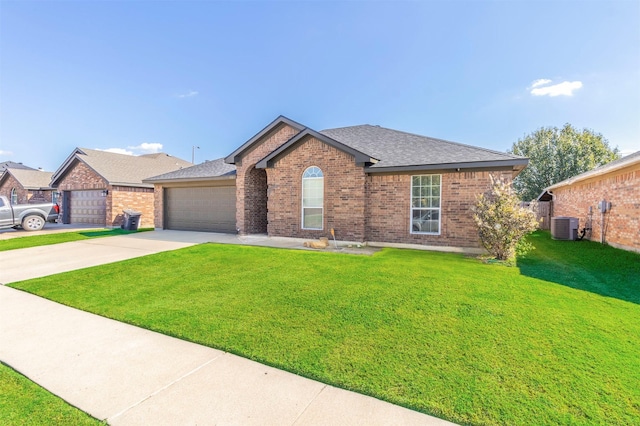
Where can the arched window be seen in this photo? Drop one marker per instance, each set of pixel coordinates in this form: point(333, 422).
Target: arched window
point(312, 198)
point(14, 196)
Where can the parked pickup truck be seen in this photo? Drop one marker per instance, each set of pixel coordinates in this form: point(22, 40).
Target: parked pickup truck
point(30, 217)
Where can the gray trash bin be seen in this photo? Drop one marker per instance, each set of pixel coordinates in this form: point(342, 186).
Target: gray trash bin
point(131, 220)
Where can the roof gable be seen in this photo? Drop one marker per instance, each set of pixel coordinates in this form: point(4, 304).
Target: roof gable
point(121, 169)
point(275, 124)
point(29, 178)
point(360, 157)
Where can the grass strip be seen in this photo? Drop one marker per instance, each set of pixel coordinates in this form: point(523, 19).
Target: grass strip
point(25, 403)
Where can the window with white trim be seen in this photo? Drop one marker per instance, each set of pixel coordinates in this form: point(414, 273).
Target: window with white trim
point(312, 198)
point(425, 204)
point(14, 196)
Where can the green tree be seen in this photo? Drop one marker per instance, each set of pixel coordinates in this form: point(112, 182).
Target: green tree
point(502, 223)
point(558, 154)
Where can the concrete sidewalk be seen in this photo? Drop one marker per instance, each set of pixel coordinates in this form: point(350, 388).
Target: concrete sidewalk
point(132, 376)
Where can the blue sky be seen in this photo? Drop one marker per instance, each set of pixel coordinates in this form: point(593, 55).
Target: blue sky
point(140, 76)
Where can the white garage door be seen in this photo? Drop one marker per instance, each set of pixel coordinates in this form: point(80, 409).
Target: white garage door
point(88, 207)
point(210, 208)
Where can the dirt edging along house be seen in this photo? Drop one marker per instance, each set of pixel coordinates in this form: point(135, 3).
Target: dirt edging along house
point(618, 185)
point(370, 184)
point(96, 186)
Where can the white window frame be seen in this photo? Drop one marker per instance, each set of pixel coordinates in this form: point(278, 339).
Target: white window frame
point(438, 209)
point(14, 197)
point(302, 207)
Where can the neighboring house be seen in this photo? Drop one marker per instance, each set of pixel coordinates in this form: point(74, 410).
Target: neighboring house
point(96, 186)
point(618, 183)
point(369, 183)
point(26, 186)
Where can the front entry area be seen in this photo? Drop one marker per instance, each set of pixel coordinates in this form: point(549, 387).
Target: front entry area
point(206, 208)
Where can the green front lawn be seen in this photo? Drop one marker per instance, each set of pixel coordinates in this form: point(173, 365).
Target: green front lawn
point(25, 403)
point(555, 340)
point(61, 237)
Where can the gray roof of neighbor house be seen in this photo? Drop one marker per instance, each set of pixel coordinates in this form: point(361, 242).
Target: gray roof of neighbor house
point(396, 150)
point(614, 165)
point(13, 165)
point(209, 170)
point(121, 169)
point(29, 178)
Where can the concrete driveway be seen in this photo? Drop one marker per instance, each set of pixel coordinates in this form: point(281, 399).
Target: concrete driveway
point(34, 262)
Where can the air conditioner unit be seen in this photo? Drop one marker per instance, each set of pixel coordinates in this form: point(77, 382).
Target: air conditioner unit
point(564, 228)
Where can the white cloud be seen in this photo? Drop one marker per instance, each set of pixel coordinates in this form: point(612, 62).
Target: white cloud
point(540, 82)
point(116, 151)
point(7, 153)
point(143, 148)
point(147, 148)
point(189, 94)
point(542, 88)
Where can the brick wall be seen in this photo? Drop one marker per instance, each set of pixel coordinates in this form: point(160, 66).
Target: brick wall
point(130, 198)
point(10, 183)
point(389, 208)
point(246, 198)
point(158, 206)
point(622, 222)
point(344, 193)
point(79, 177)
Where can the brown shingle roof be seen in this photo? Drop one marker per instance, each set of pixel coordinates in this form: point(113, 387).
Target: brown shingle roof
point(121, 169)
point(31, 179)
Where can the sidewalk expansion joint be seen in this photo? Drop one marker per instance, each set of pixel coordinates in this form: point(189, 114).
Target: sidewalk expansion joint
point(151, 395)
point(309, 404)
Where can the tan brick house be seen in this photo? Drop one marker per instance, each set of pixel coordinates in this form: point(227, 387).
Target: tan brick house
point(25, 185)
point(368, 183)
point(618, 185)
point(96, 186)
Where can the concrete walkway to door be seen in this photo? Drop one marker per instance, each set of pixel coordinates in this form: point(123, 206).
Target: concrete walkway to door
point(131, 376)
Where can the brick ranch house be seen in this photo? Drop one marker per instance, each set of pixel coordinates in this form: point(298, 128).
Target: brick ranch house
point(369, 183)
point(24, 185)
point(618, 183)
point(96, 186)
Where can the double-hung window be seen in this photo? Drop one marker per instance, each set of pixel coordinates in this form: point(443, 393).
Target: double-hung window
point(312, 198)
point(425, 204)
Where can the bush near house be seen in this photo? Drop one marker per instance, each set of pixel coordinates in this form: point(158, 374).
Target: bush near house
point(502, 223)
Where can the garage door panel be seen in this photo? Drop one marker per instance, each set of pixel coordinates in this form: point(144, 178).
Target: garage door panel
point(211, 209)
point(88, 207)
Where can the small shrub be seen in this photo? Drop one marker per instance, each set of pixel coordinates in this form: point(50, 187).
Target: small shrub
point(502, 223)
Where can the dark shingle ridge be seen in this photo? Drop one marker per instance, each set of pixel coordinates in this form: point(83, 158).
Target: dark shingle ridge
point(396, 148)
point(428, 137)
